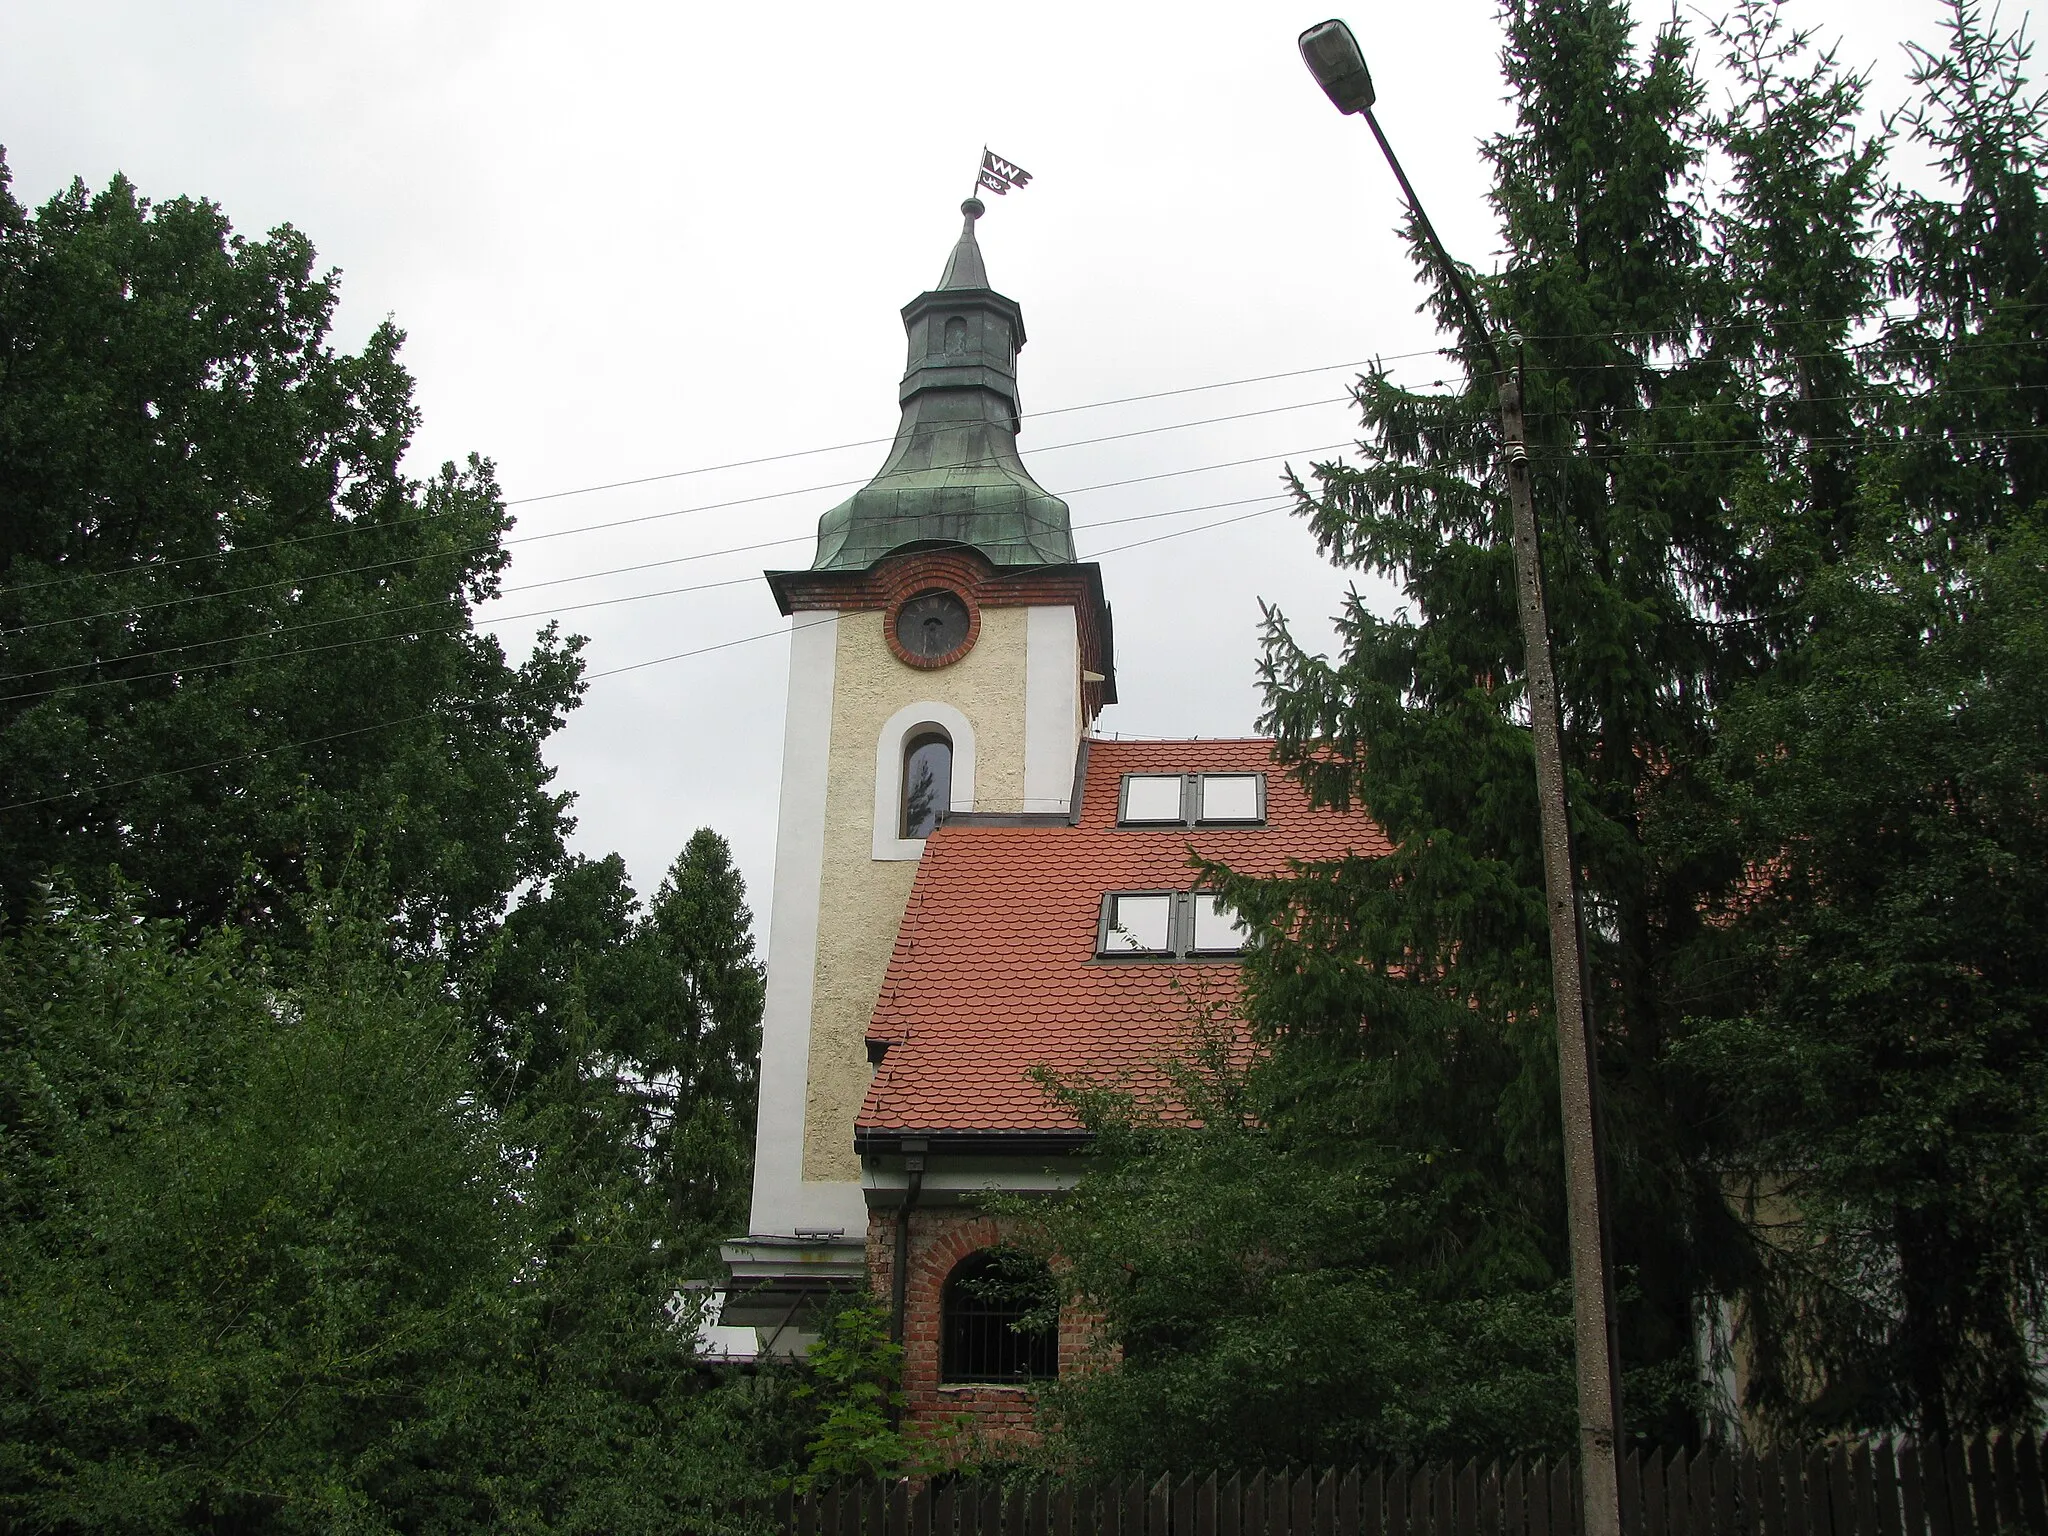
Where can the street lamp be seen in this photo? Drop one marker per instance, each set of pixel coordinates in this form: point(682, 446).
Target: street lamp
point(1332, 55)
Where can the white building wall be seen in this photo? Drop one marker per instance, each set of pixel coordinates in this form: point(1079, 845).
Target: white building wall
point(783, 1203)
point(1052, 707)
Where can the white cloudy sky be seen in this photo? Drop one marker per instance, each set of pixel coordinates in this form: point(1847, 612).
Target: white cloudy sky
point(633, 239)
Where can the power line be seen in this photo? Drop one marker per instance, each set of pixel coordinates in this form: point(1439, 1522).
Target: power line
point(875, 442)
point(721, 645)
point(705, 469)
point(414, 632)
point(380, 565)
point(397, 523)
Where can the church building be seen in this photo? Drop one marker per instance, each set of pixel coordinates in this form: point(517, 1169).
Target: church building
point(969, 886)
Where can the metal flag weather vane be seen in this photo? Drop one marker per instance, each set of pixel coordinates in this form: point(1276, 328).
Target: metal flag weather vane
point(999, 175)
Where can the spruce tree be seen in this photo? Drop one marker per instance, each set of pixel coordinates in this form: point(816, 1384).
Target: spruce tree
point(1881, 1060)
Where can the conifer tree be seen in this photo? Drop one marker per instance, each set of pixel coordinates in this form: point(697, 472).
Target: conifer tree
point(1782, 424)
point(1882, 1059)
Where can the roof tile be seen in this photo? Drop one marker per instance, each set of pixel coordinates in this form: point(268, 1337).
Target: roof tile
point(994, 971)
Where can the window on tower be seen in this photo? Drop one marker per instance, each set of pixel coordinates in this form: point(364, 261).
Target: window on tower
point(927, 782)
point(956, 335)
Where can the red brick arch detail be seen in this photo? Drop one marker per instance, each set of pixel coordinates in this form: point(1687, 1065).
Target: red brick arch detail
point(932, 663)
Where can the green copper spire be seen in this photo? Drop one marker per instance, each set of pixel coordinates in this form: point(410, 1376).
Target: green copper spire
point(953, 475)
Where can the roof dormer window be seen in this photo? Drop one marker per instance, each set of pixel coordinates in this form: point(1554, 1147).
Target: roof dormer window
point(1153, 799)
point(1223, 798)
point(1137, 923)
point(1192, 799)
point(1167, 925)
point(1213, 929)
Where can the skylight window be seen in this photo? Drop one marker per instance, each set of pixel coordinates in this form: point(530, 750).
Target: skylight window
point(1152, 799)
point(1140, 924)
point(1216, 929)
point(1192, 799)
point(1167, 925)
point(1226, 797)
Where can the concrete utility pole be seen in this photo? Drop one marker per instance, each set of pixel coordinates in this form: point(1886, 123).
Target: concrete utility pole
point(1333, 58)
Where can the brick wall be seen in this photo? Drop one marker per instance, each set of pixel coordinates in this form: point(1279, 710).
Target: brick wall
point(980, 1416)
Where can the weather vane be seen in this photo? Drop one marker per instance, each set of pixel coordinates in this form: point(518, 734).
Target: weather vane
point(998, 174)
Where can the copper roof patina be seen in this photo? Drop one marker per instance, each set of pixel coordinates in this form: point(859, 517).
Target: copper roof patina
point(953, 475)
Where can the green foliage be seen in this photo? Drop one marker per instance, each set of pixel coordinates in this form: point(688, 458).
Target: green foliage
point(1890, 1070)
point(1786, 431)
point(1276, 1305)
point(856, 1375)
point(630, 1040)
point(270, 1259)
point(247, 1229)
point(211, 559)
point(374, 1211)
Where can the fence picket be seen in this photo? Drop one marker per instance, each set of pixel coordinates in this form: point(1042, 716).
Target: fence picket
point(1913, 1490)
point(1723, 1468)
point(1676, 1487)
point(2033, 1514)
point(1131, 1514)
point(1955, 1476)
point(1629, 1477)
point(1650, 1488)
point(1844, 1509)
point(1806, 1495)
point(2006, 1477)
point(1863, 1489)
point(1983, 1494)
point(1884, 1491)
point(1698, 1497)
point(1989, 1486)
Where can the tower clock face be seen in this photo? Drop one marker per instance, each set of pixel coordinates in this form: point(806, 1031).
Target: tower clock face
point(932, 624)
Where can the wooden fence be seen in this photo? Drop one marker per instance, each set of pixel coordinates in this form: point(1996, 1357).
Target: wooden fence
point(1970, 1488)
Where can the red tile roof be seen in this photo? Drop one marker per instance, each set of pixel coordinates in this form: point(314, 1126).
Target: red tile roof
point(994, 971)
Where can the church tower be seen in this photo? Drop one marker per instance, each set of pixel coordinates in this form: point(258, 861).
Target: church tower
point(947, 655)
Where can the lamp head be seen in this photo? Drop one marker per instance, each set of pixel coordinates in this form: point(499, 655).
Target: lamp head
point(1332, 56)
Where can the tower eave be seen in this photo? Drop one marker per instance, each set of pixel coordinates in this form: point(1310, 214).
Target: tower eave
point(890, 578)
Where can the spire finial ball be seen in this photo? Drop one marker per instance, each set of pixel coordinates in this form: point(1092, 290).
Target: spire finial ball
point(973, 208)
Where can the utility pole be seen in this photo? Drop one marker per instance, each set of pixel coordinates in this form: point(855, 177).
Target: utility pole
point(1333, 58)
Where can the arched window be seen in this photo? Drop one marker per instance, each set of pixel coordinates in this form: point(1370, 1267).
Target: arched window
point(927, 781)
point(1000, 1316)
point(956, 335)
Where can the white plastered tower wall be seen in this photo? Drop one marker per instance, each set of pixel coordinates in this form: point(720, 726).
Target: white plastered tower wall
point(839, 896)
point(1013, 707)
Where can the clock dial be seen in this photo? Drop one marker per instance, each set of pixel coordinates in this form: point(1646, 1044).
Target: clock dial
point(932, 624)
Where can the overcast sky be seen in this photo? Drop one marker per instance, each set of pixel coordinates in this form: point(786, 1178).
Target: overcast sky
point(634, 239)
